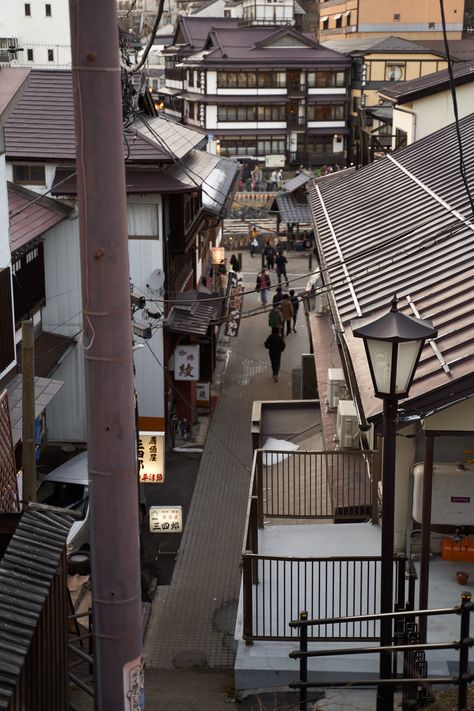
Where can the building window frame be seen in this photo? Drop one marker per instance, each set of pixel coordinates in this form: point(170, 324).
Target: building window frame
point(30, 55)
point(27, 9)
point(50, 53)
point(47, 10)
point(395, 71)
point(29, 174)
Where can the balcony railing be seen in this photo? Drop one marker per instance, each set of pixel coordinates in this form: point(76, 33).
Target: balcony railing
point(295, 88)
point(296, 121)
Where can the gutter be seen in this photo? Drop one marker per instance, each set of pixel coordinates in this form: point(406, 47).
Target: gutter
point(364, 425)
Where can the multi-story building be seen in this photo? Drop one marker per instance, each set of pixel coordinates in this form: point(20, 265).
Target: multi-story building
point(261, 89)
point(342, 19)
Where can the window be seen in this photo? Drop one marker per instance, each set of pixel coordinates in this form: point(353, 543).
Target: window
point(339, 21)
point(16, 266)
point(27, 9)
point(355, 104)
point(325, 24)
point(395, 72)
point(400, 138)
point(236, 113)
point(47, 10)
point(29, 55)
point(325, 78)
point(251, 146)
point(143, 220)
point(191, 112)
point(227, 13)
point(30, 256)
point(326, 112)
point(25, 174)
point(431, 25)
point(50, 55)
point(191, 78)
point(321, 145)
point(271, 113)
point(396, 17)
point(348, 19)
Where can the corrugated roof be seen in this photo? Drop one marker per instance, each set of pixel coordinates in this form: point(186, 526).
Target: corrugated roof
point(173, 137)
point(292, 211)
point(136, 182)
point(298, 181)
point(31, 215)
point(214, 175)
point(194, 314)
point(42, 125)
point(27, 570)
point(400, 225)
point(402, 92)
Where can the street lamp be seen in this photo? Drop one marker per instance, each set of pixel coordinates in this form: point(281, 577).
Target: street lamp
point(393, 344)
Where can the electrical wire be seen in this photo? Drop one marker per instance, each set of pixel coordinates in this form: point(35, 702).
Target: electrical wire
point(139, 65)
point(452, 84)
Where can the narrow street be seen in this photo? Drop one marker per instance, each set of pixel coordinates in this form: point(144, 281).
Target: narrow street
point(192, 622)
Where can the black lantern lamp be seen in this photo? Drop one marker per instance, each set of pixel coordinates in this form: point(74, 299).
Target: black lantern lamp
point(393, 344)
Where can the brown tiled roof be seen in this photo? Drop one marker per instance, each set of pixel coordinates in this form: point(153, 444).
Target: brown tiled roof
point(136, 182)
point(11, 86)
point(430, 84)
point(31, 217)
point(41, 128)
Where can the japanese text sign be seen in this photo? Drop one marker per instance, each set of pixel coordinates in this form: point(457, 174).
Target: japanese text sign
point(166, 519)
point(186, 363)
point(218, 254)
point(151, 457)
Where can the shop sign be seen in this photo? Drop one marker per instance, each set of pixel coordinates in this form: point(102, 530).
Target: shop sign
point(186, 363)
point(166, 519)
point(275, 161)
point(134, 685)
point(218, 254)
point(234, 311)
point(151, 457)
point(203, 395)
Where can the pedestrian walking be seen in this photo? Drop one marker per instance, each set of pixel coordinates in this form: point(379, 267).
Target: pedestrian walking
point(275, 319)
point(234, 262)
point(273, 180)
point(281, 262)
point(263, 285)
point(280, 179)
point(296, 304)
point(286, 308)
point(269, 253)
point(276, 345)
point(279, 296)
point(253, 234)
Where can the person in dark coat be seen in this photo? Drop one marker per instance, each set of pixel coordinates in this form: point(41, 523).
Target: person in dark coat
point(287, 313)
point(281, 262)
point(279, 296)
point(269, 255)
point(276, 345)
point(235, 263)
point(296, 304)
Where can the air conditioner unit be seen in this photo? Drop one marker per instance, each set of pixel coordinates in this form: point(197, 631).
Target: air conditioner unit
point(347, 425)
point(321, 302)
point(336, 386)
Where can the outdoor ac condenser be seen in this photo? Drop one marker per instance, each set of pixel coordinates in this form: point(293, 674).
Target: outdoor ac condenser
point(452, 501)
point(336, 386)
point(321, 302)
point(347, 425)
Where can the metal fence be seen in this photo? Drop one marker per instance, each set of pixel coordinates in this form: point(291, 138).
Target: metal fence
point(277, 588)
point(328, 485)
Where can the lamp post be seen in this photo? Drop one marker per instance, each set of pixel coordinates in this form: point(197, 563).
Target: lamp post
point(393, 345)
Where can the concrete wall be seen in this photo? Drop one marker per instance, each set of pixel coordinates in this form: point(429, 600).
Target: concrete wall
point(39, 32)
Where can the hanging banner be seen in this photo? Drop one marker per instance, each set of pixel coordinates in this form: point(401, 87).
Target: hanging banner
point(151, 457)
point(234, 311)
point(186, 363)
point(166, 519)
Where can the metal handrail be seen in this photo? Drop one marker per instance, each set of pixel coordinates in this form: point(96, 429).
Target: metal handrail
point(462, 679)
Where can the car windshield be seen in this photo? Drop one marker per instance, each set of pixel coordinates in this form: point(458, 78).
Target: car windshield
point(64, 495)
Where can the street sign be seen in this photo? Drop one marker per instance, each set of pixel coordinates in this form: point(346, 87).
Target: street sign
point(166, 519)
point(151, 457)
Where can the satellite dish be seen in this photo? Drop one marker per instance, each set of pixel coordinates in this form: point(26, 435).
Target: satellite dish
point(156, 281)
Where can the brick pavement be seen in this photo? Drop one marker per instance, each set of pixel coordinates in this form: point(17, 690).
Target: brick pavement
point(194, 623)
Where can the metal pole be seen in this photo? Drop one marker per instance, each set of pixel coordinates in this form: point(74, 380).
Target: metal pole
point(303, 662)
point(385, 693)
point(310, 262)
point(425, 533)
point(464, 650)
point(115, 564)
point(28, 461)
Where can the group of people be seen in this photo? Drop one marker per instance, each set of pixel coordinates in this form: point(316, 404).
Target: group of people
point(281, 318)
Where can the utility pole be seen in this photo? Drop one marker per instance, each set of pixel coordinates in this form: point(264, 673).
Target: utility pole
point(107, 345)
point(28, 461)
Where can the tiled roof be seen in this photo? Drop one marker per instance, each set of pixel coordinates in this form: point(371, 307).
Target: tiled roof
point(401, 225)
point(49, 348)
point(11, 85)
point(27, 570)
point(253, 45)
point(194, 30)
point(31, 215)
point(136, 182)
point(173, 137)
point(292, 211)
point(460, 50)
point(402, 92)
point(372, 45)
point(42, 125)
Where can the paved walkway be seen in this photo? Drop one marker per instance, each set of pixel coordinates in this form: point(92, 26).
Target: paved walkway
point(192, 625)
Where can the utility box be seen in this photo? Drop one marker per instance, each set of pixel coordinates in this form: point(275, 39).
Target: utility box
point(347, 425)
point(336, 386)
point(452, 501)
